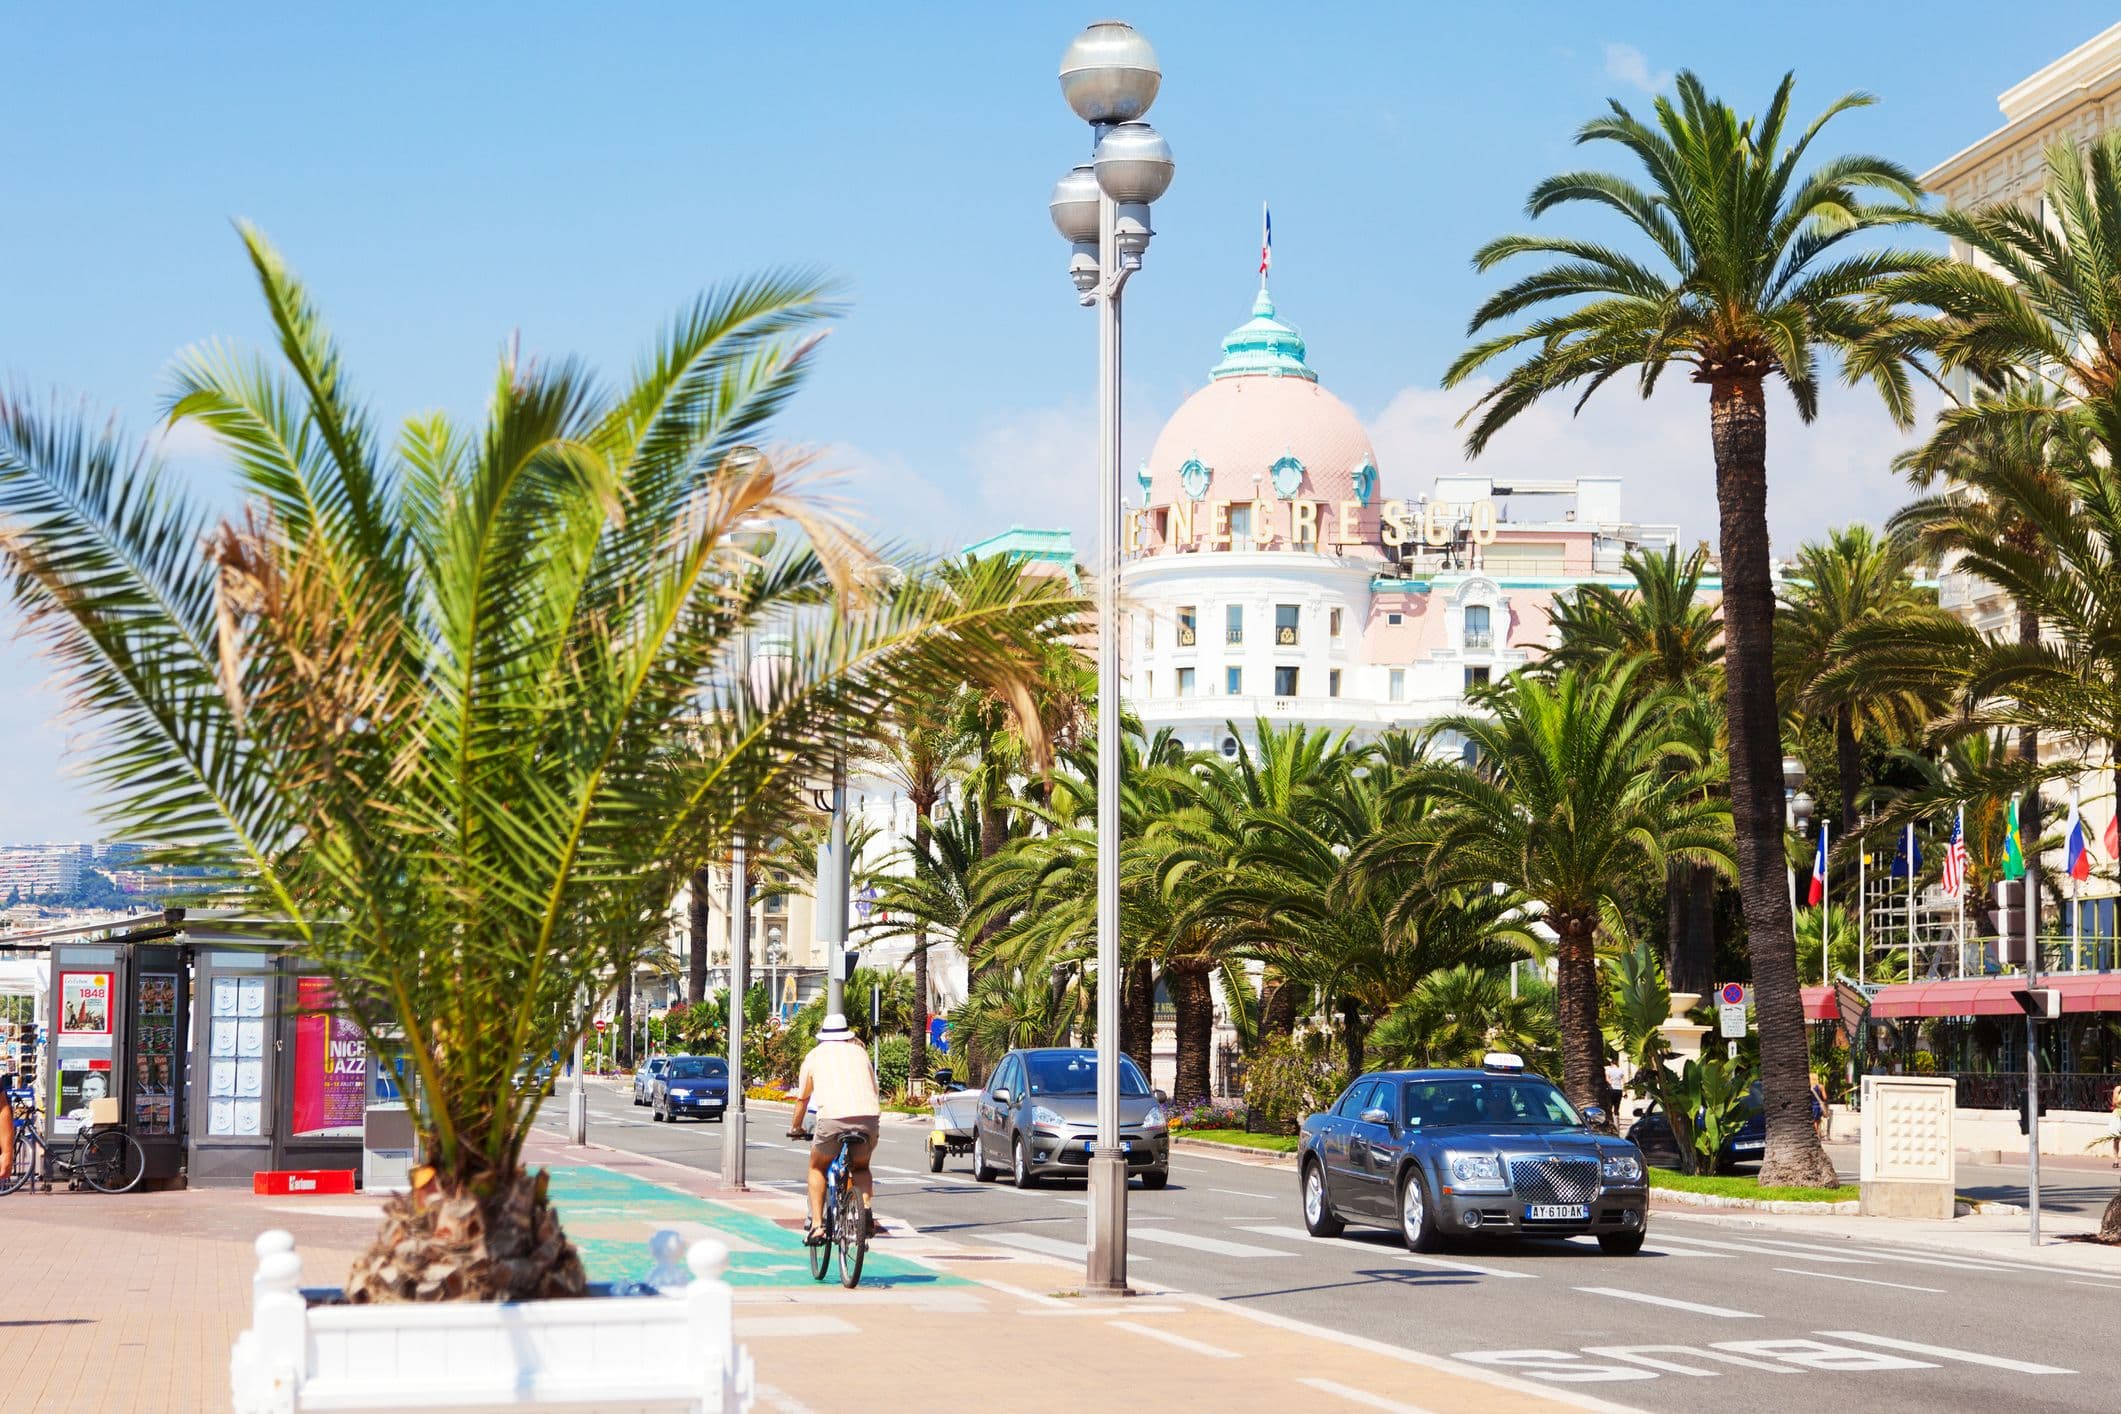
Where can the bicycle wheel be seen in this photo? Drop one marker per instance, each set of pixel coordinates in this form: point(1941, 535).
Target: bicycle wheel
point(854, 1238)
point(114, 1162)
point(27, 1150)
point(821, 1254)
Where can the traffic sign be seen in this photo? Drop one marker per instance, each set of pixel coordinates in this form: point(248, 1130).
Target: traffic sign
point(602, 1023)
point(1730, 1021)
point(1734, 994)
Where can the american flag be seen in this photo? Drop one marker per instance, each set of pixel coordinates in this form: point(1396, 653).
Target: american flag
point(1955, 857)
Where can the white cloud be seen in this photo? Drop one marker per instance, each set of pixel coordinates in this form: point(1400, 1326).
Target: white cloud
point(1829, 473)
point(1630, 66)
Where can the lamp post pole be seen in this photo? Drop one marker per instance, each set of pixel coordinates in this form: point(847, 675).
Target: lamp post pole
point(1109, 76)
point(733, 1115)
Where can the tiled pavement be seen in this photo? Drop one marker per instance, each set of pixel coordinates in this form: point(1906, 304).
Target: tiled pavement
point(131, 1304)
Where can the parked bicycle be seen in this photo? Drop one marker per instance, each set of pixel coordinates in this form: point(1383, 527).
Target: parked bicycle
point(846, 1227)
point(104, 1158)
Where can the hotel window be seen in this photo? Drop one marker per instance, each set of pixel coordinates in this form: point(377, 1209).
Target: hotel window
point(1398, 680)
point(1476, 677)
point(1186, 621)
point(1333, 624)
point(1149, 684)
point(1234, 682)
point(1240, 524)
point(1285, 682)
point(1285, 625)
point(1333, 682)
point(1185, 682)
point(1395, 619)
point(1478, 634)
point(1234, 624)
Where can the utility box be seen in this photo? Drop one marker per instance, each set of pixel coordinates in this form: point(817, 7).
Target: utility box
point(1909, 1165)
point(389, 1149)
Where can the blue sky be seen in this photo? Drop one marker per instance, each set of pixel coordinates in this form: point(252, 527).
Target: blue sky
point(444, 180)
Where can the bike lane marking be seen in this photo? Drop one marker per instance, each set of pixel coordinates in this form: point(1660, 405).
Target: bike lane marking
point(1186, 1343)
point(1362, 1397)
point(1204, 1244)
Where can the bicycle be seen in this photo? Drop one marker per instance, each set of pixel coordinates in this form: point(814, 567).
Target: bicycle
point(108, 1160)
point(846, 1225)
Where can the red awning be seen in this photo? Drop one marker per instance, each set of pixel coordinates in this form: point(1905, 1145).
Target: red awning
point(1991, 996)
point(1819, 1004)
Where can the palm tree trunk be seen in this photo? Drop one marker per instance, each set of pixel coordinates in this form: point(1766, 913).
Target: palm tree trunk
point(624, 1023)
point(1193, 1009)
point(1699, 955)
point(917, 1062)
point(1676, 918)
point(1738, 435)
point(1848, 764)
point(480, 1237)
point(1576, 1010)
point(696, 954)
point(1137, 1013)
point(1277, 1013)
point(1354, 1035)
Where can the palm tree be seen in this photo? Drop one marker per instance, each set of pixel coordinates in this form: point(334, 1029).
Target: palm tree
point(1675, 638)
point(1852, 580)
point(1456, 1015)
point(928, 745)
point(1569, 804)
point(1746, 286)
point(438, 690)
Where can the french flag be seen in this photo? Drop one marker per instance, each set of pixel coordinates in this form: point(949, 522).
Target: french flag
point(1818, 892)
point(1266, 241)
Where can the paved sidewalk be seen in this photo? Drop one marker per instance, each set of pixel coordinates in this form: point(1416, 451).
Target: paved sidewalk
point(130, 1304)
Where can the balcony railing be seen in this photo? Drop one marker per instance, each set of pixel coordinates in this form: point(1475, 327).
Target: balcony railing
point(1234, 635)
point(1480, 638)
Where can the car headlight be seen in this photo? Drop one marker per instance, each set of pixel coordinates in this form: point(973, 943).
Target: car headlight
point(1154, 1119)
point(1478, 1171)
point(1625, 1167)
point(1046, 1118)
point(681, 1094)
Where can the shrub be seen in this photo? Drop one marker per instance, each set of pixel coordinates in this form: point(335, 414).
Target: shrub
point(894, 1062)
point(1286, 1080)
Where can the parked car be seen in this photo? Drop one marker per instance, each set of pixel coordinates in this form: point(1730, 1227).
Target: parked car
point(1652, 1133)
point(1037, 1119)
point(1494, 1152)
point(697, 1086)
point(644, 1078)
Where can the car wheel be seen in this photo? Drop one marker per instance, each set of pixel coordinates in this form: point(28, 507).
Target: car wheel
point(1417, 1220)
point(1621, 1244)
point(1155, 1179)
point(980, 1172)
point(1024, 1177)
point(936, 1154)
point(1319, 1218)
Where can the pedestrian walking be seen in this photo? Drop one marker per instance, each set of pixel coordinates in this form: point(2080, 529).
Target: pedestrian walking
point(1822, 1114)
point(2113, 1124)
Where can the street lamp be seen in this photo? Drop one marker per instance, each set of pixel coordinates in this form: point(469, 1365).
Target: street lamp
point(1109, 76)
point(752, 536)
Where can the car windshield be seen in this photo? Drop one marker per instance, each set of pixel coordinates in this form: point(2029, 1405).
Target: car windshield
point(1075, 1073)
point(1498, 1101)
point(696, 1068)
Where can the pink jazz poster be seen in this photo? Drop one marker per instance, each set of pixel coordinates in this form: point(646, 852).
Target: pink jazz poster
point(331, 1063)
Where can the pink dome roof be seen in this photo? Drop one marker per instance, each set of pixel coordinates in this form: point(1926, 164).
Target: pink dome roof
point(1244, 422)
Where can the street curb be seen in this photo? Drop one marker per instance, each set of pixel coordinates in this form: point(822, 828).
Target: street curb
point(2051, 1255)
point(1680, 1198)
point(1280, 1158)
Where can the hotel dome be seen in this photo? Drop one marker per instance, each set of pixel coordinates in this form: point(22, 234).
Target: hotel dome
point(1264, 429)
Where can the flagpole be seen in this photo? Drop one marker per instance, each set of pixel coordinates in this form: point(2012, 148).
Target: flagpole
point(1863, 900)
point(1959, 894)
point(2076, 830)
point(1911, 900)
point(1826, 908)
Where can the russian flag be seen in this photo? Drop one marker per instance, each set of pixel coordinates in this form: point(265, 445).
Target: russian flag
point(2077, 858)
point(1818, 892)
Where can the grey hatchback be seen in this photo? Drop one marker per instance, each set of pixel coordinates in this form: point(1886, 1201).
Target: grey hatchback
point(1490, 1152)
point(1040, 1111)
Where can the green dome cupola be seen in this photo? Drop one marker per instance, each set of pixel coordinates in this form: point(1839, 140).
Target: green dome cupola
point(1263, 345)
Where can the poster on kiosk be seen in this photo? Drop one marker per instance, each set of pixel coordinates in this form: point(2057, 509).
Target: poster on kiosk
point(83, 1040)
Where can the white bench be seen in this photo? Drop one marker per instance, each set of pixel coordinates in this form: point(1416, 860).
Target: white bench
point(675, 1352)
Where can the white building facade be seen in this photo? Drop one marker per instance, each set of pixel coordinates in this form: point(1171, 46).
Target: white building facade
point(1268, 574)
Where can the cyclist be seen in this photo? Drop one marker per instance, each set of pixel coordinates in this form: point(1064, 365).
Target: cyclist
point(837, 1073)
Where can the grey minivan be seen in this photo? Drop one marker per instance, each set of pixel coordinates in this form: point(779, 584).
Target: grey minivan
point(1037, 1119)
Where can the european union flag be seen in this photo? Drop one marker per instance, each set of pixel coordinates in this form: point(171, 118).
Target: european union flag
point(1909, 843)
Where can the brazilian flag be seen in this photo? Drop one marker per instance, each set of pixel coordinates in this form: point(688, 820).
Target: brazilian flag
point(2013, 851)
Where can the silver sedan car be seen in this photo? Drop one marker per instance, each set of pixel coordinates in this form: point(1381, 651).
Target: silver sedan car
point(1037, 1119)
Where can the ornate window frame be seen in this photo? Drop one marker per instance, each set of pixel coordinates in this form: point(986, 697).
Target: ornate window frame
point(1287, 474)
point(1194, 478)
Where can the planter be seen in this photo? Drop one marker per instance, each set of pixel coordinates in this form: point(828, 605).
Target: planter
point(675, 1352)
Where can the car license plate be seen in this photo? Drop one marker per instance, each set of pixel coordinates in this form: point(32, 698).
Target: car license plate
point(1553, 1212)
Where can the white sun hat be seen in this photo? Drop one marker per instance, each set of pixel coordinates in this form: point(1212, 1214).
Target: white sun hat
point(834, 1028)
